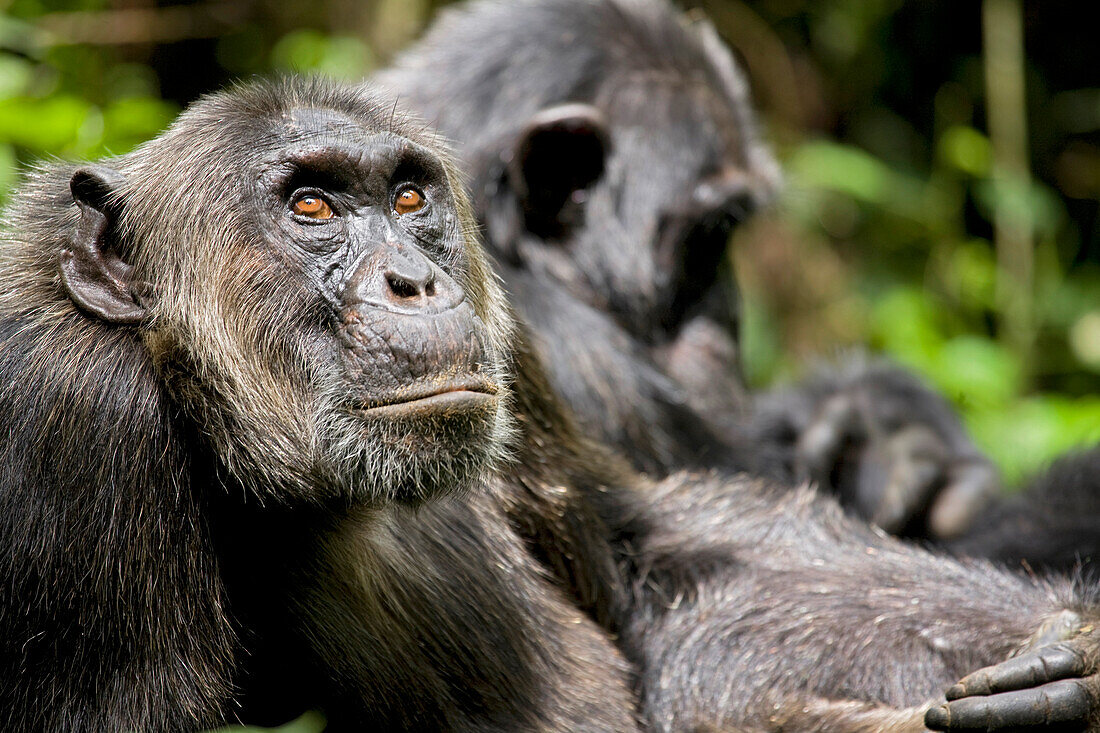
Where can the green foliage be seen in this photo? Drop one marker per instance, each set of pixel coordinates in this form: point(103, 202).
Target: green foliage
point(935, 316)
point(904, 190)
point(58, 101)
point(312, 51)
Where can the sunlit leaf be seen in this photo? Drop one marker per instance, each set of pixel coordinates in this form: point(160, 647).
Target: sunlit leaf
point(50, 124)
point(311, 51)
point(966, 149)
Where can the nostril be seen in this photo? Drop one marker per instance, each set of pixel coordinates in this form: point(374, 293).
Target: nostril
point(401, 287)
point(429, 289)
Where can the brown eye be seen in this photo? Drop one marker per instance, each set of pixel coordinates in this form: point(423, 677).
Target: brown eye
point(312, 207)
point(408, 200)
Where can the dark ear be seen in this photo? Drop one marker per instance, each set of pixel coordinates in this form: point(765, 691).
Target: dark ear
point(95, 276)
point(560, 152)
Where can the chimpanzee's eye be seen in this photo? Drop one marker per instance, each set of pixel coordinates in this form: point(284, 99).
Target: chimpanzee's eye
point(408, 200)
point(311, 206)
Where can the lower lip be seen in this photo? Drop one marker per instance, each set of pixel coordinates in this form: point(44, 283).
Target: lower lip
point(459, 400)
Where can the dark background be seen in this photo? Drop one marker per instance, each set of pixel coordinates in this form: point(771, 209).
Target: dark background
point(931, 211)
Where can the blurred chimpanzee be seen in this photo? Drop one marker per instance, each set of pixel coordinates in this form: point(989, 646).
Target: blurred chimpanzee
point(249, 372)
point(612, 148)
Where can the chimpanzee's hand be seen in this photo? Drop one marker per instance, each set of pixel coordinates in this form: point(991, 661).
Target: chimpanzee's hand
point(889, 447)
point(1049, 687)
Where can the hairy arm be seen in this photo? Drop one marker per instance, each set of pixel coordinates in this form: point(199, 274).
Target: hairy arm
point(759, 607)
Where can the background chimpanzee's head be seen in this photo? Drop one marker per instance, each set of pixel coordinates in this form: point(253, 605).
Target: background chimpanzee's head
point(298, 261)
point(611, 145)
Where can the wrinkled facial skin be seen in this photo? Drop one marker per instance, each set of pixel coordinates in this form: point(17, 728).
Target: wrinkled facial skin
point(405, 328)
point(413, 371)
point(333, 351)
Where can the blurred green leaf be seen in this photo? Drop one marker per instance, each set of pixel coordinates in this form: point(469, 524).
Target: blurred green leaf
point(15, 74)
point(8, 174)
point(48, 125)
point(905, 323)
point(977, 372)
point(826, 166)
point(342, 57)
point(128, 122)
point(966, 149)
point(841, 168)
point(1036, 430)
point(16, 34)
point(972, 274)
point(1084, 338)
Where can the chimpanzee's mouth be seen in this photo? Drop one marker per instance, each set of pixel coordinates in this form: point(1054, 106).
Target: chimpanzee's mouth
point(453, 395)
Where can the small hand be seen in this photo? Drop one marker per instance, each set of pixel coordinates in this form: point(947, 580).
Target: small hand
point(895, 452)
point(1052, 687)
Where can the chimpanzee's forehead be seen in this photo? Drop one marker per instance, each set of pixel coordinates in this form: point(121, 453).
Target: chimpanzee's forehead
point(342, 148)
point(687, 118)
point(313, 132)
point(307, 121)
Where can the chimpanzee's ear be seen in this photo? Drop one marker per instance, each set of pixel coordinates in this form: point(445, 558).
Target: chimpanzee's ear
point(560, 152)
point(92, 271)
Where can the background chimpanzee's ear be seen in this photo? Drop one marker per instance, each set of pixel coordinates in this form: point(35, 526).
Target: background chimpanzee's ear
point(560, 151)
point(94, 274)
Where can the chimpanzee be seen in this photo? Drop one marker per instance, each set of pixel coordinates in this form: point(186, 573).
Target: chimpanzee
point(255, 379)
point(612, 147)
point(250, 374)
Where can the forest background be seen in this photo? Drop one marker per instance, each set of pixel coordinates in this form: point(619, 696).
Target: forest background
point(942, 160)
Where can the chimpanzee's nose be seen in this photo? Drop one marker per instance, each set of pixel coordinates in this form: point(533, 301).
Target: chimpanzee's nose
point(401, 278)
point(409, 278)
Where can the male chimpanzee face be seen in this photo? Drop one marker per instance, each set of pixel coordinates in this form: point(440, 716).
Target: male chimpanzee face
point(324, 317)
point(374, 223)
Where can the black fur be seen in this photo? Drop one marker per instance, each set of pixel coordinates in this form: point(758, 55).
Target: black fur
point(773, 609)
point(1054, 523)
point(630, 296)
point(754, 606)
point(749, 605)
point(159, 574)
